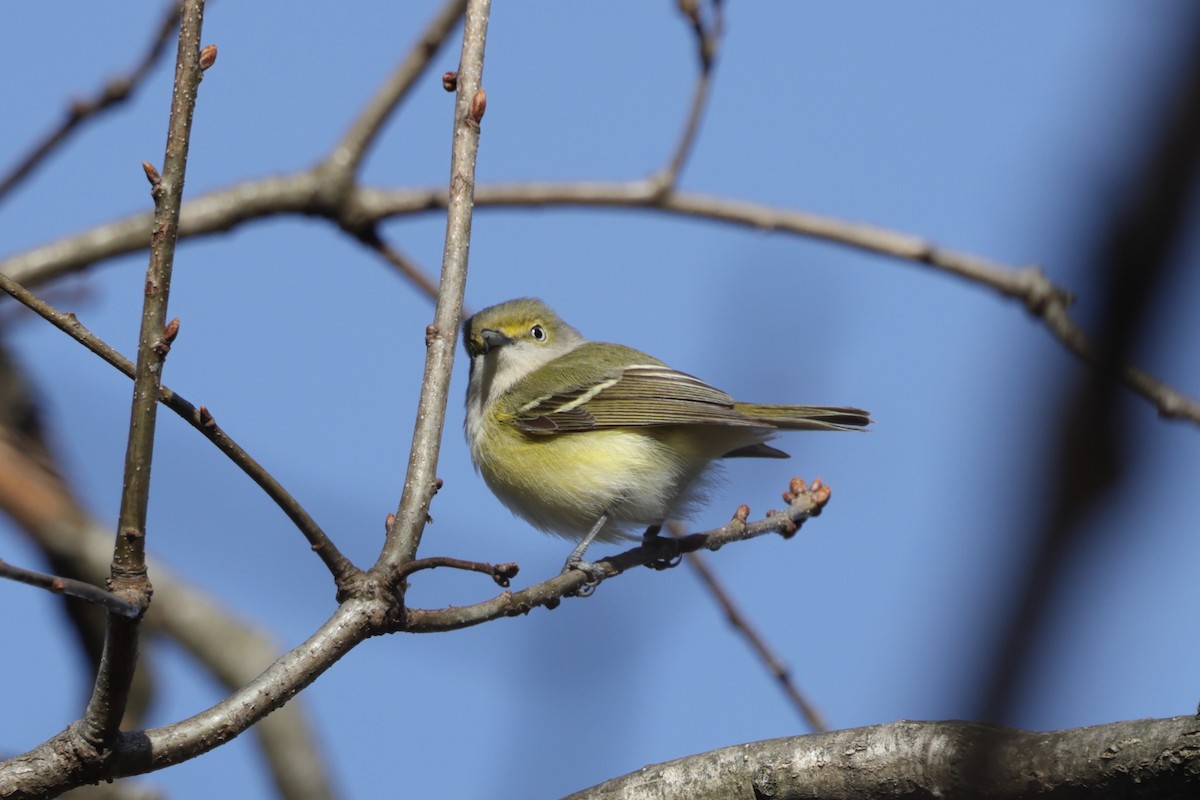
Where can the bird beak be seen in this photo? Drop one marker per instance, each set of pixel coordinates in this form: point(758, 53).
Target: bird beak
point(492, 339)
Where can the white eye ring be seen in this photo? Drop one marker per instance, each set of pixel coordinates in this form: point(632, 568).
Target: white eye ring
point(538, 333)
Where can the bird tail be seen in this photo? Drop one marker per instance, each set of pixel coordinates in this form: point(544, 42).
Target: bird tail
point(806, 418)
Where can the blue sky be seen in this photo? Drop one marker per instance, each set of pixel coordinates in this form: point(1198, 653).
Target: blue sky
point(1003, 129)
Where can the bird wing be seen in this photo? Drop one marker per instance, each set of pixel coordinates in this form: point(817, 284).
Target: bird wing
point(637, 392)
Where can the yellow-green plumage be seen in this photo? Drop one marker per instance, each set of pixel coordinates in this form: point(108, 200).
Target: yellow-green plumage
point(564, 430)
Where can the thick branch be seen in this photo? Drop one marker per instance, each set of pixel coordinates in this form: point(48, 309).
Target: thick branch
point(1151, 758)
point(61, 762)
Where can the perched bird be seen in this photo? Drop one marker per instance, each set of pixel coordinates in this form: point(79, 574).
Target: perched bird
point(588, 439)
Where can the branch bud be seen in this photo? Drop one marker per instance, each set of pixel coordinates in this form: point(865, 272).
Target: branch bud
point(478, 107)
point(208, 56)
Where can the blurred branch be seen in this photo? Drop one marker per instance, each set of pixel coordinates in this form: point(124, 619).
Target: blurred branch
point(758, 643)
point(420, 482)
point(1158, 758)
point(232, 650)
point(33, 493)
point(115, 92)
point(339, 566)
point(1131, 259)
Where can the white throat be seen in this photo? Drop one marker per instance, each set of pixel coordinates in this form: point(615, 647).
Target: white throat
point(494, 373)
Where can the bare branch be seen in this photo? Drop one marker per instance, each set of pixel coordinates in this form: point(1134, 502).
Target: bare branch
point(805, 501)
point(403, 264)
point(502, 574)
point(71, 588)
point(339, 566)
point(61, 762)
point(405, 535)
point(758, 643)
point(102, 719)
point(231, 649)
point(708, 37)
point(115, 92)
point(1157, 758)
point(64, 760)
point(226, 209)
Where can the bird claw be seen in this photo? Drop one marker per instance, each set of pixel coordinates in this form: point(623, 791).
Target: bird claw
point(655, 542)
point(591, 575)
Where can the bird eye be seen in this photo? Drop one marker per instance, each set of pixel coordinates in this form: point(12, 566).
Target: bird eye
point(538, 333)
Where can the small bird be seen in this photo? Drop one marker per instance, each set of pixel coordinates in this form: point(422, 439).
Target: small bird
point(586, 440)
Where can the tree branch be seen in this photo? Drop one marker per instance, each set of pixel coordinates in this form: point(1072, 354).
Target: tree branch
point(342, 569)
point(804, 501)
point(226, 209)
point(64, 760)
point(1151, 758)
point(129, 580)
point(71, 588)
point(404, 536)
point(708, 37)
point(758, 643)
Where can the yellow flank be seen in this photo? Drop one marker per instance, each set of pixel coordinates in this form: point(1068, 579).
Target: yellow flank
point(568, 481)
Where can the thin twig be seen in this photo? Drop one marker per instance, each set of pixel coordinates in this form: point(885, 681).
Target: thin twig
point(805, 501)
point(404, 536)
point(115, 92)
point(758, 643)
point(199, 418)
point(502, 574)
point(71, 588)
point(406, 267)
point(707, 42)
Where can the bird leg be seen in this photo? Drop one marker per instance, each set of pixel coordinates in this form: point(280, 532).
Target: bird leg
point(575, 560)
